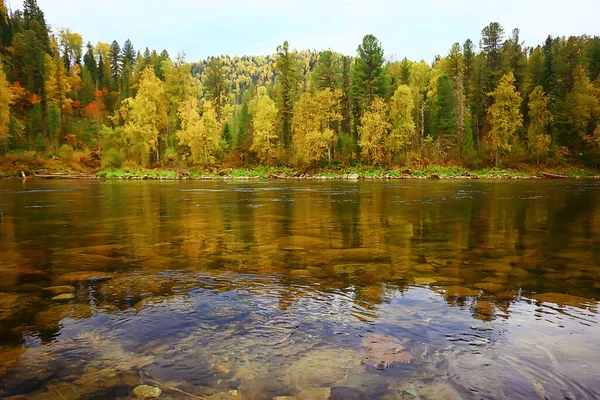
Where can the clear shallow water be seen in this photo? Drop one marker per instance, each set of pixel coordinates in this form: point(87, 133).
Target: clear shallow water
point(306, 289)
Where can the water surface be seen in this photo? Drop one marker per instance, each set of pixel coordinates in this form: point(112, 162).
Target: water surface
point(342, 290)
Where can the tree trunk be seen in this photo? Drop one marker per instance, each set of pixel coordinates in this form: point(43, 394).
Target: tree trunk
point(496, 157)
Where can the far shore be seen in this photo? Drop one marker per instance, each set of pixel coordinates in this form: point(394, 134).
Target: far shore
point(287, 174)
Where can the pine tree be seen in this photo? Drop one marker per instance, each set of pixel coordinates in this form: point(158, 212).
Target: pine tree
point(445, 107)
point(115, 60)
point(327, 72)
point(367, 76)
point(215, 84)
point(286, 69)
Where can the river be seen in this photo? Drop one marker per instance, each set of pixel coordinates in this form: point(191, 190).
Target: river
point(334, 289)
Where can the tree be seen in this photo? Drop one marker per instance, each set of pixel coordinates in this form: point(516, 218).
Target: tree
point(540, 116)
point(419, 80)
point(89, 61)
point(179, 87)
point(5, 102)
point(115, 59)
point(215, 84)
point(57, 87)
point(263, 123)
point(314, 115)
point(504, 114)
point(146, 116)
point(200, 133)
point(285, 66)
point(445, 107)
point(491, 46)
point(402, 123)
point(373, 131)
point(367, 75)
point(460, 108)
point(468, 68)
point(71, 46)
point(127, 55)
point(327, 72)
point(346, 100)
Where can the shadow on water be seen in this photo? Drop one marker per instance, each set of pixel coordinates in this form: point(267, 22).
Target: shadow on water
point(335, 290)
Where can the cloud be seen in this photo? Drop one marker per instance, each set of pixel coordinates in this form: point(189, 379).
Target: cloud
point(418, 30)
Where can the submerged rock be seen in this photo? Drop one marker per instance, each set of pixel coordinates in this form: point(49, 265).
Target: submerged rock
point(459, 291)
point(146, 392)
point(86, 276)
point(64, 297)
point(56, 290)
point(384, 350)
point(362, 272)
point(562, 299)
point(322, 369)
point(50, 318)
point(10, 357)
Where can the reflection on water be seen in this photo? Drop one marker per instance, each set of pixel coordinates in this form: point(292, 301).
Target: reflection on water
point(342, 290)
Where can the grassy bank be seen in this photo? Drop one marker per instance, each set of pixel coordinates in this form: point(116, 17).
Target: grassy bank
point(39, 165)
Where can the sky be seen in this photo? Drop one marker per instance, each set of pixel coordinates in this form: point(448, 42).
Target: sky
point(417, 29)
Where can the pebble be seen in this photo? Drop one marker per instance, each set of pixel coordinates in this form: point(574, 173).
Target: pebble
point(147, 392)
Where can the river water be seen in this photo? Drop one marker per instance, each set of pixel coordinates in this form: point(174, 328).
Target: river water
point(311, 290)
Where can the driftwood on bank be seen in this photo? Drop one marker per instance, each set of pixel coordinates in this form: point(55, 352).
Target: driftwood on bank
point(63, 176)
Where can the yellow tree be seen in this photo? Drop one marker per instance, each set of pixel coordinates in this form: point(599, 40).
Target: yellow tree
point(373, 130)
point(540, 116)
point(313, 115)
point(5, 102)
point(201, 133)
point(58, 85)
point(504, 115)
point(147, 116)
point(403, 126)
point(180, 85)
point(263, 123)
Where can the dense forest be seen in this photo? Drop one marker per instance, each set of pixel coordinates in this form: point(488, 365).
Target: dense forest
point(496, 103)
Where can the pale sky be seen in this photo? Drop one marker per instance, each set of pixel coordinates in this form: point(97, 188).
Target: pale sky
point(417, 29)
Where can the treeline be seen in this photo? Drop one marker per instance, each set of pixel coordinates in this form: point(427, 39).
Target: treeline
point(498, 102)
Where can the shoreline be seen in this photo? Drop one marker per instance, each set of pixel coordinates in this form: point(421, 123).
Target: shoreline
point(174, 176)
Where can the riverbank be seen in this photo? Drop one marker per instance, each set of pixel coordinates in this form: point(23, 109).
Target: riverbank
point(34, 166)
point(433, 172)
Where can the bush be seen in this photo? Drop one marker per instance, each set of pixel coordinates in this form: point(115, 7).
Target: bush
point(113, 159)
point(66, 153)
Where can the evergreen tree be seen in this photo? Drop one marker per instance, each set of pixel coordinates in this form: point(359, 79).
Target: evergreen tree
point(491, 45)
point(89, 61)
point(445, 107)
point(127, 55)
point(367, 76)
point(115, 60)
point(345, 100)
point(327, 71)
point(215, 84)
point(287, 82)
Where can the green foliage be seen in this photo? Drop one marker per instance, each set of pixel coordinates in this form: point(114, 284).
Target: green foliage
point(368, 80)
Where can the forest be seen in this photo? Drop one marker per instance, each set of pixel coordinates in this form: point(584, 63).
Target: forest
point(490, 101)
